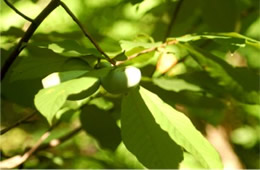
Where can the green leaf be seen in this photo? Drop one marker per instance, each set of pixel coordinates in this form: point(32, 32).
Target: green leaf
point(48, 101)
point(152, 146)
point(231, 39)
point(141, 60)
point(123, 155)
point(237, 35)
point(129, 45)
point(190, 162)
point(37, 64)
point(120, 57)
point(101, 125)
point(175, 84)
point(69, 48)
point(176, 124)
point(70, 110)
point(181, 130)
point(99, 73)
point(75, 63)
point(84, 93)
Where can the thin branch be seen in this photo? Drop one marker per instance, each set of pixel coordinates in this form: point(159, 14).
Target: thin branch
point(18, 12)
point(148, 50)
point(18, 159)
point(86, 33)
point(17, 123)
point(28, 34)
point(173, 19)
point(55, 142)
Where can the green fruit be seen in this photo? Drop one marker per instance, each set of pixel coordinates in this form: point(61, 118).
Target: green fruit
point(120, 80)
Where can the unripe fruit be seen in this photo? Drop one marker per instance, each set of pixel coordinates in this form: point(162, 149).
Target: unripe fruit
point(120, 80)
point(166, 62)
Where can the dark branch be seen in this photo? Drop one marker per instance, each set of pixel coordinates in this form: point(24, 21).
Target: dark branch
point(173, 19)
point(86, 33)
point(28, 34)
point(17, 123)
point(60, 140)
point(18, 12)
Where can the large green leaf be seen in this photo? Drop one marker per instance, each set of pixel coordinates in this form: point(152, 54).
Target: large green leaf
point(142, 103)
point(152, 146)
point(48, 101)
point(181, 130)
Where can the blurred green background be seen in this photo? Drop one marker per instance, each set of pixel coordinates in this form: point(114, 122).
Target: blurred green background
point(109, 22)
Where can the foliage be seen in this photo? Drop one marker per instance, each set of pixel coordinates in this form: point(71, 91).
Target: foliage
point(205, 71)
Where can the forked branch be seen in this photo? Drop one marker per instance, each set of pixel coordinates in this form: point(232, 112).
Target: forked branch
point(18, 12)
point(26, 37)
